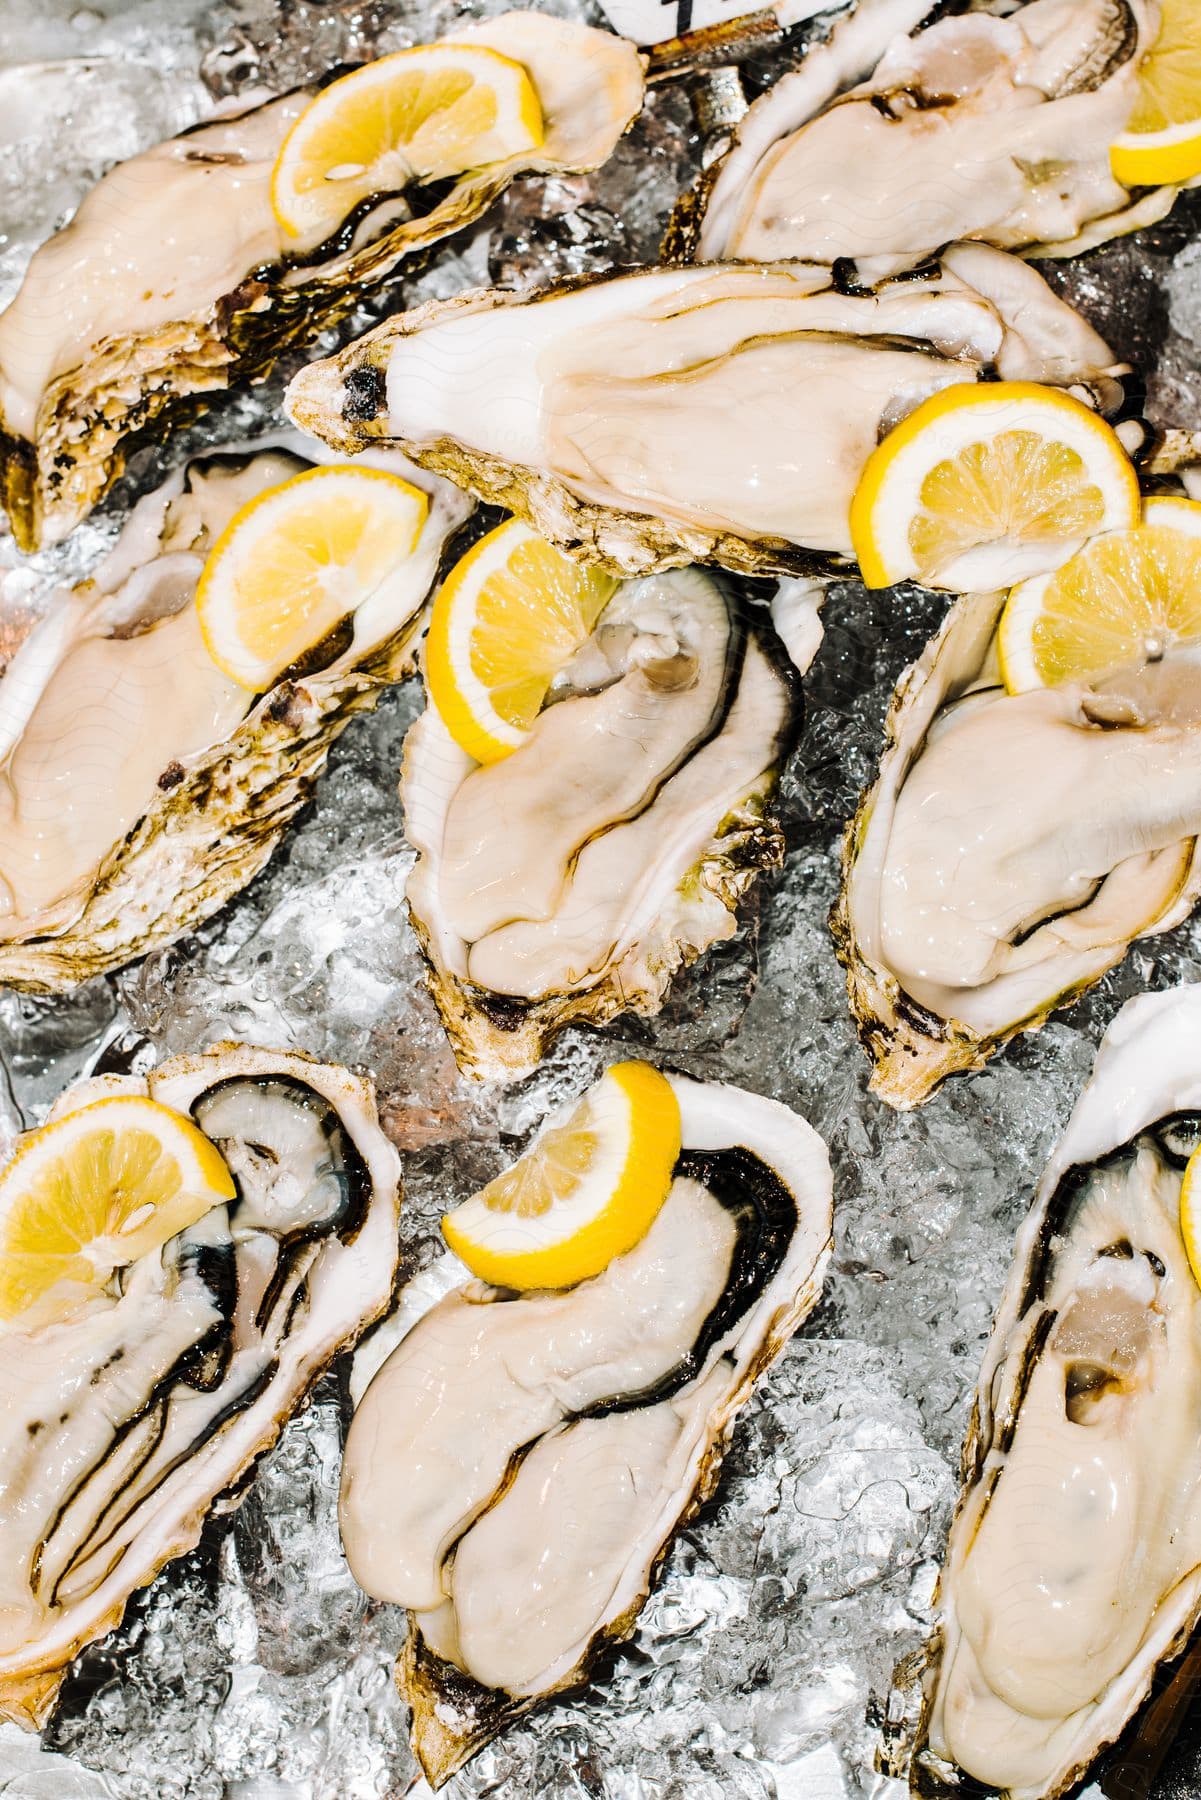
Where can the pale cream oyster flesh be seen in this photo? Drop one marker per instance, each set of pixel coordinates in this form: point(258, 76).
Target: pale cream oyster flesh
point(139, 785)
point(890, 141)
point(175, 278)
point(683, 415)
point(1011, 848)
point(1073, 1568)
point(126, 1422)
point(569, 881)
point(518, 1465)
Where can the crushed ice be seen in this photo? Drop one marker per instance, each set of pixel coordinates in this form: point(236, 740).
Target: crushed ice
point(254, 1669)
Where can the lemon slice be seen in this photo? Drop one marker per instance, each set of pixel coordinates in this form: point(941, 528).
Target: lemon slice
point(296, 560)
point(1190, 1213)
point(587, 1191)
point(1127, 597)
point(93, 1192)
point(507, 618)
point(986, 483)
point(420, 115)
point(1162, 141)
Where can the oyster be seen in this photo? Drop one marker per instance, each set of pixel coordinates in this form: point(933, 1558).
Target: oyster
point(1072, 1568)
point(123, 1425)
point(173, 279)
point(139, 786)
point(686, 415)
point(569, 881)
point(1011, 848)
point(884, 146)
point(518, 1465)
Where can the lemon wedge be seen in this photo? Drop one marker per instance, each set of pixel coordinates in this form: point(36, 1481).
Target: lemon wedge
point(93, 1192)
point(588, 1190)
point(507, 618)
point(985, 483)
point(420, 115)
point(296, 560)
point(1162, 140)
point(1126, 598)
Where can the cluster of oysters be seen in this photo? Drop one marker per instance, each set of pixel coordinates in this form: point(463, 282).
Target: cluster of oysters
point(838, 263)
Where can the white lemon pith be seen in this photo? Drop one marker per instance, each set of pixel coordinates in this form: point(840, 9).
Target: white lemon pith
point(987, 483)
point(421, 115)
point(1127, 598)
point(1162, 140)
point(297, 560)
point(508, 617)
point(588, 1190)
point(93, 1192)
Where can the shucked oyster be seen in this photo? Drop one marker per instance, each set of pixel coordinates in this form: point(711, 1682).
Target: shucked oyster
point(1011, 848)
point(139, 786)
point(882, 147)
point(1073, 1568)
point(125, 1423)
point(517, 1467)
point(687, 415)
point(571, 880)
point(174, 278)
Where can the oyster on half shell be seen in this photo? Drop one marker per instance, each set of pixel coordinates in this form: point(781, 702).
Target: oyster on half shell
point(890, 141)
point(174, 280)
point(139, 786)
point(675, 415)
point(123, 1425)
point(569, 881)
point(516, 1469)
point(1073, 1567)
point(1011, 848)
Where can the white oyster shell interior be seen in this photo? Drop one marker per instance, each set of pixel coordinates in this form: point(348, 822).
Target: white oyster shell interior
point(1071, 1571)
point(979, 126)
point(539, 872)
point(121, 1425)
point(114, 696)
point(677, 393)
point(1018, 842)
point(513, 1575)
point(165, 235)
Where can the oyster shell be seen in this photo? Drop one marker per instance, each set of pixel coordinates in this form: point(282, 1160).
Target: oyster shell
point(1073, 1567)
point(517, 1467)
point(883, 146)
point(1011, 848)
point(125, 1424)
point(139, 787)
point(652, 419)
point(604, 873)
point(173, 279)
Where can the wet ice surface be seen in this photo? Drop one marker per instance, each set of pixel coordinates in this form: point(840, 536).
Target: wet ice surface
point(254, 1669)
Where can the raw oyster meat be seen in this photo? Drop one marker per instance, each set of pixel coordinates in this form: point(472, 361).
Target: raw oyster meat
point(884, 146)
point(124, 1424)
point(174, 278)
point(570, 880)
point(693, 414)
point(1073, 1568)
point(1011, 848)
point(519, 1463)
point(139, 786)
